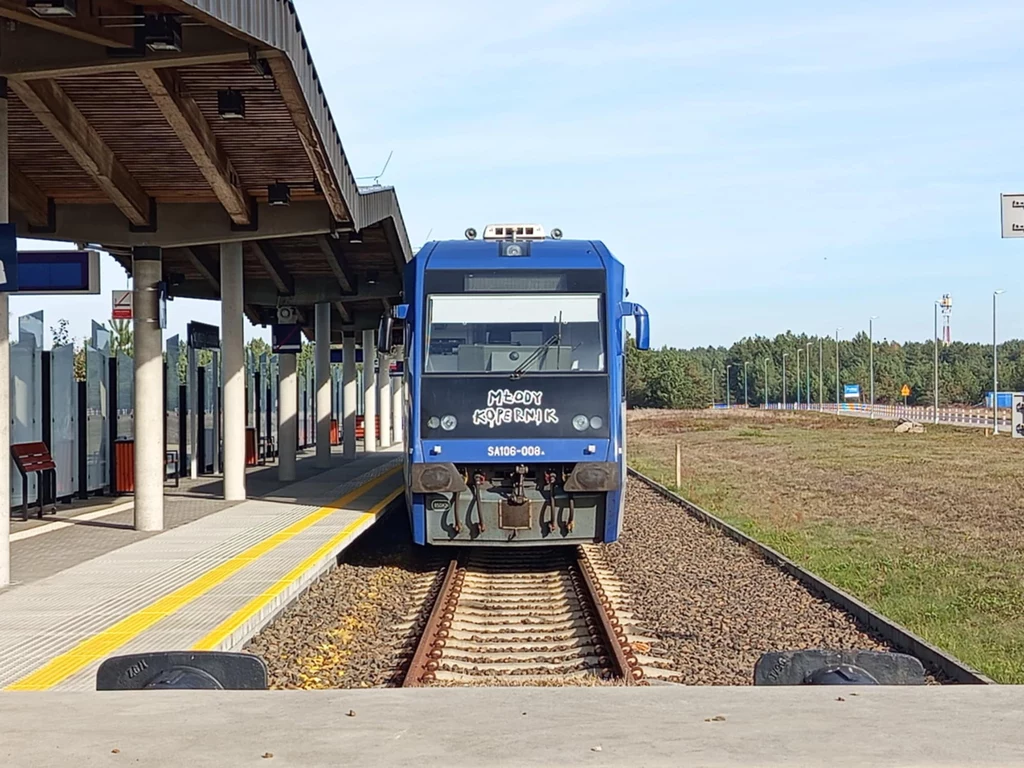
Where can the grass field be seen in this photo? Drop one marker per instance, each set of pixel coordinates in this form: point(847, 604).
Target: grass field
point(927, 529)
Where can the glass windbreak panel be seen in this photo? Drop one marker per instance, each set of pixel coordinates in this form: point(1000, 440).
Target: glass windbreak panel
point(505, 333)
point(64, 419)
point(125, 397)
point(96, 435)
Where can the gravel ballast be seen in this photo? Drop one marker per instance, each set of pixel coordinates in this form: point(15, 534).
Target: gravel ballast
point(715, 605)
point(342, 632)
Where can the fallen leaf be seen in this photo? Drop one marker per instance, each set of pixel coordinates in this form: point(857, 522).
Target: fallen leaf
point(840, 698)
point(596, 749)
point(351, 713)
point(267, 755)
point(715, 719)
point(115, 751)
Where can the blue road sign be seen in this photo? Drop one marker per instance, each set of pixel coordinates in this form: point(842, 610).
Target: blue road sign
point(851, 391)
point(286, 338)
point(8, 259)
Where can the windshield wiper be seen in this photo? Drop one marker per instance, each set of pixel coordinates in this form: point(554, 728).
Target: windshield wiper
point(521, 368)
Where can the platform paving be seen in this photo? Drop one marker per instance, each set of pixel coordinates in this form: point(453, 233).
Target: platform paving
point(665, 726)
point(212, 579)
point(90, 528)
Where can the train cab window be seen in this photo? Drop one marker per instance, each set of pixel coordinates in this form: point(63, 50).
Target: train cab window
point(501, 333)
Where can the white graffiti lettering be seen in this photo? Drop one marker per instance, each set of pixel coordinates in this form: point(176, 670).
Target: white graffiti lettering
point(495, 417)
point(506, 397)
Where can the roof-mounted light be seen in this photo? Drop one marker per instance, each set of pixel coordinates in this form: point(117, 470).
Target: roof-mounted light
point(514, 232)
point(231, 104)
point(163, 32)
point(279, 194)
point(67, 9)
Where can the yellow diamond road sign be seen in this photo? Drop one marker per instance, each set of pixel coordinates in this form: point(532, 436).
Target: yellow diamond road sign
point(905, 391)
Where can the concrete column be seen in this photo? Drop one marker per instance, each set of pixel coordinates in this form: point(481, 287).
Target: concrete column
point(349, 393)
point(149, 389)
point(5, 367)
point(287, 417)
point(384, 390)
point(398, 409)
point(369, 392)
point(323, 385)
point(233, 370)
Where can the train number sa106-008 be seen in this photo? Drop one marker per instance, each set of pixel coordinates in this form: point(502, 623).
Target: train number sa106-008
point(514, 450)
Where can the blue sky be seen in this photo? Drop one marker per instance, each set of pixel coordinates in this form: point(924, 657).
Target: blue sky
point(758, 167)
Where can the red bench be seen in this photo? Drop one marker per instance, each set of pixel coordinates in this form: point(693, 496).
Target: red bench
point(34, 457)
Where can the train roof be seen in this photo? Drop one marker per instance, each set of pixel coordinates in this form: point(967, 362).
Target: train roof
point(537, 254)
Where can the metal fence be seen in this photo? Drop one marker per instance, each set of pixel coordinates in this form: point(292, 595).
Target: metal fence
point(957, 415)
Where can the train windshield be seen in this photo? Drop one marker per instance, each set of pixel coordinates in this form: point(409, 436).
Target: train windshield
point(512, 332)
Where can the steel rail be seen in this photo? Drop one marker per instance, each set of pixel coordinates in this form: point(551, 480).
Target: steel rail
point(434, 632)
point(626, 666)
point(900, 637)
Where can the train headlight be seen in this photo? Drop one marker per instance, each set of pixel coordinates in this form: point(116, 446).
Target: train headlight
point(433, 422)
point(449, 422)
point(596, 422)
point(580, 423)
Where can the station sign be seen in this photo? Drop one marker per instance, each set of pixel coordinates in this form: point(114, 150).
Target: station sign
point(203, 336)
point(286, 339)
point(121, 305)
point(397, 369)
point(1012, 210)
point(337, 356)
point(851, 391)
point(8, 259)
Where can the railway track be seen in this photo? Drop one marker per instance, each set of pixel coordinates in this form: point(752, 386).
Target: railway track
point(530, 617)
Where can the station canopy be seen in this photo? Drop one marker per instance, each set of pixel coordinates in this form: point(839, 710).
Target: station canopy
point(186, 124)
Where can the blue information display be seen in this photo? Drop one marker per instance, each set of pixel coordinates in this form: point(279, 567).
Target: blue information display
point(851, 391)
point(338, 357)
point(58, 272)
point(8, 259)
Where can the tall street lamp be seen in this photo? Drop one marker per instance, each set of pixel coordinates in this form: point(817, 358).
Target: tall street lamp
point(746, 398)
point(784, 356)
point(995, 368)
point(871, 357)
point(767, 389)
point(821, 374)
point(714, 386)
point(935, 408)
point(837, 367)
point(728, 384)
point(799, 352)
point(807, 360)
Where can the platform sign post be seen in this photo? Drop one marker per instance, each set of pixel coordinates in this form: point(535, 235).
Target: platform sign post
point(905, 392)
point(851, 391)
point(285, 339)
point(1017, 416)
point(1012, 209)
point(121, 305)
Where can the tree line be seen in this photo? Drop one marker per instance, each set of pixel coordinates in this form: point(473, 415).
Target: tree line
point(695, 378)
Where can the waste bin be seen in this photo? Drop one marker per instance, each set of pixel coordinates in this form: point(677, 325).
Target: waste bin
point(251, 456)
point(124, 466)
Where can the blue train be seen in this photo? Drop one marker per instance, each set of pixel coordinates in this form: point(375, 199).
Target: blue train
point(515, 373)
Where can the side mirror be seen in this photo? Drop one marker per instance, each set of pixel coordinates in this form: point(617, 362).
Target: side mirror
point(643, 323)
point(387, 324)
point(387, 327)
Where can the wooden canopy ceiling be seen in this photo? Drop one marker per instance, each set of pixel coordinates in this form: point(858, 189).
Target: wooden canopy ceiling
point(115, 143)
